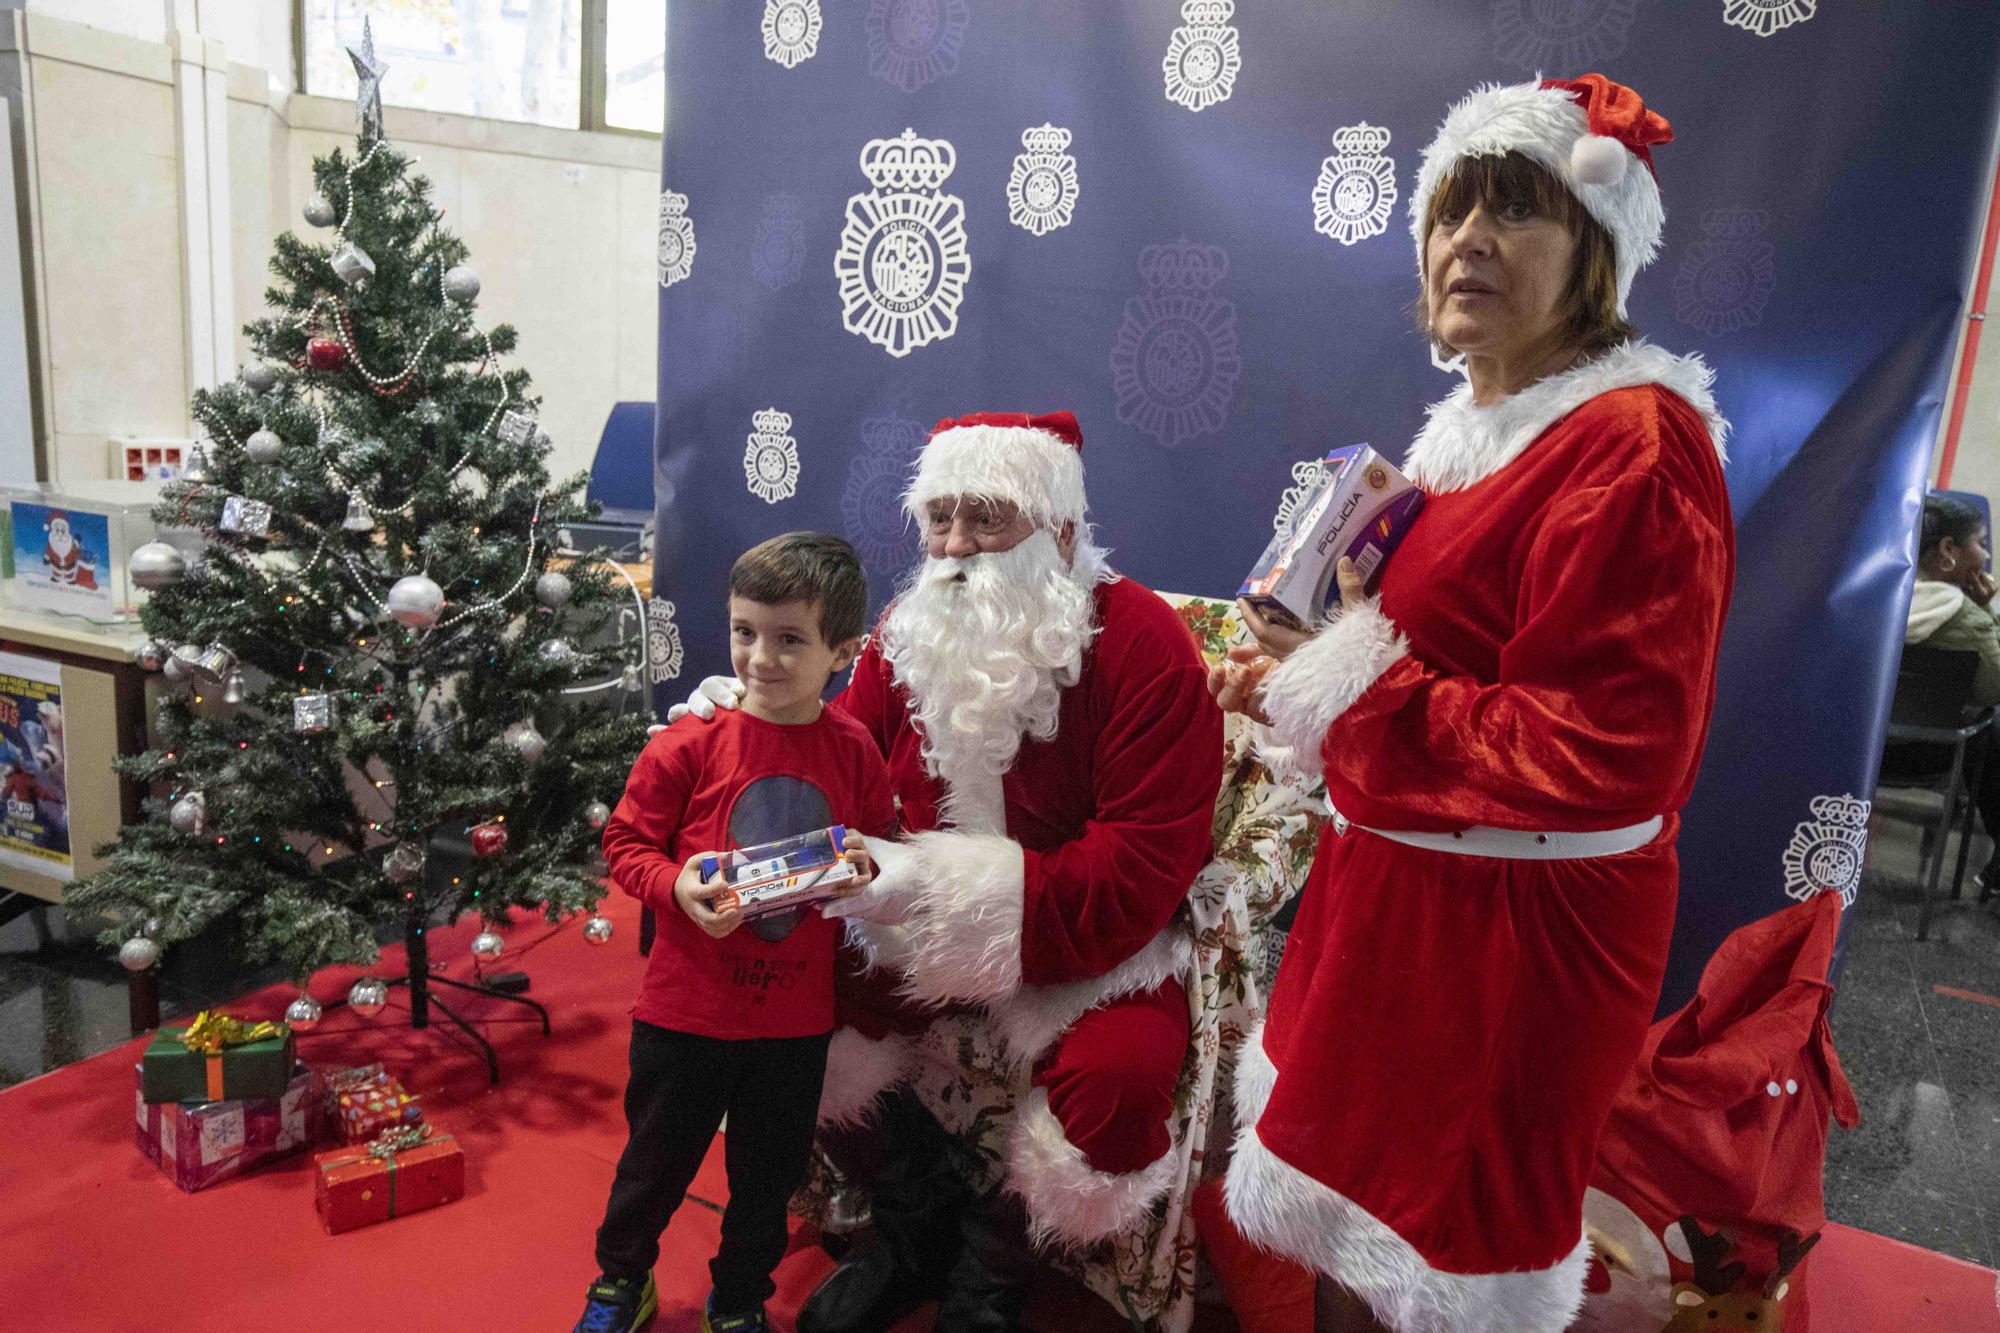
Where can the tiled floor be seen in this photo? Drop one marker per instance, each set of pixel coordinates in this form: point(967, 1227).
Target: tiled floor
point(1917, 1025)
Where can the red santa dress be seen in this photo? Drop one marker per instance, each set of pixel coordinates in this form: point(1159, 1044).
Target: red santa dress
point(1051, 901)
point(1447, 1032)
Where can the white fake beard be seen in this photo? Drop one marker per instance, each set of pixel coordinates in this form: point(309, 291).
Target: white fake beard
point(985, 645)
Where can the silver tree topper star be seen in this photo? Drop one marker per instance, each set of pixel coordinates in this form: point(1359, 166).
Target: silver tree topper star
point(368, 95)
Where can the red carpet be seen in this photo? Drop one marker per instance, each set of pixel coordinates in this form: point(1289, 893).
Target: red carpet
point(95, 1238)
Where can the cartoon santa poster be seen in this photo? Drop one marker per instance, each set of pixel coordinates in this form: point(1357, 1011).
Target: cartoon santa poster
point(65, 556)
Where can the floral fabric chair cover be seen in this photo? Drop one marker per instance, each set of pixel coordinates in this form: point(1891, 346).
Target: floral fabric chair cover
point(1265, 832)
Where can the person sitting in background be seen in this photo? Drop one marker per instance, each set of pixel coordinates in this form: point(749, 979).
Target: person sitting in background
point(1951, 608)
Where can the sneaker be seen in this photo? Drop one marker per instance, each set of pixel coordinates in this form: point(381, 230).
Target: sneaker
point(619, 1305)
point(751, 1322)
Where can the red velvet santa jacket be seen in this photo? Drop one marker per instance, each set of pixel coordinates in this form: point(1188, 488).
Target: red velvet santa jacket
point(1105, 828)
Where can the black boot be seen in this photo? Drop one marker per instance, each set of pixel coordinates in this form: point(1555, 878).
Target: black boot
point(917, 1197)
point(987, 1289)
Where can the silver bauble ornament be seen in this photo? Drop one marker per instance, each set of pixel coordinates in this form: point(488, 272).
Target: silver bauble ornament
point(189, 814)
point(367, 996)
point(232, 689)
point(303, 1013)
point(403, 862)
point(597, 814)
point(156, 565)
point(487, 946)
point(415, 600)
point(527, 742)
point(260, 376)
point(461, 283)
point(264, 446)
point(138, 953)
point(352, 264)
point(598, 930)
point(360, 518)
point(175, 670)
point(151, 656)
point(319, 211)
point(552, 590)
point(557, 652)
point(196, 469)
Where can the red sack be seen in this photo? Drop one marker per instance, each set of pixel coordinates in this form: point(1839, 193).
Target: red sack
point(1709, 1184)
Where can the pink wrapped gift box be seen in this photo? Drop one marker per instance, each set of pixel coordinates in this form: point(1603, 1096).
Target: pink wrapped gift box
point(199, 1143)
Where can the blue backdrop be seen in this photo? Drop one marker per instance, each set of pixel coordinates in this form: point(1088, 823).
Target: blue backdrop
point(1188, 227)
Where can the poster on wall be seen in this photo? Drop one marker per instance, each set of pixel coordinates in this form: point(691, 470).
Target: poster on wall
point(34, 792)
point(62, 560)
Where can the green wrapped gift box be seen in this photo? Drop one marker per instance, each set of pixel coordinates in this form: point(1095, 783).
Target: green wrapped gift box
point(170, 1072)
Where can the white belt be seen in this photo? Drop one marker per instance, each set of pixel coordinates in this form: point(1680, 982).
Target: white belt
point(1517, 844)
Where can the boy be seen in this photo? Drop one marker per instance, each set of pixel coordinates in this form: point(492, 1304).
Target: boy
point(730, 1023)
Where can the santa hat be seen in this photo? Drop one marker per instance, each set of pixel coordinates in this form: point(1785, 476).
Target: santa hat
point(1593, 135)
point(1033, 462)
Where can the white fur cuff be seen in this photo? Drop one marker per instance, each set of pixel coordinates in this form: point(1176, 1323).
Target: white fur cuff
point(1070, 1204)
point(1278, 1206)
point(964, 929)
point(858, 1071)
point(1030, 1022)
point(1326, 674)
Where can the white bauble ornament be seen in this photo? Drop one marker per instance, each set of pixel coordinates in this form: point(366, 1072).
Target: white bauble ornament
point(597, 814)
point(598, 930)
point(367, 996)
point(415, 600)
point(557, 652)
point(552, 590)
point(527, 742)
point(260, 376)
point(303, 1013)
point(157, 565)
point(487, 946)
point(138, 953)
point(461, 283)
point(319, 211)
point(264, 446)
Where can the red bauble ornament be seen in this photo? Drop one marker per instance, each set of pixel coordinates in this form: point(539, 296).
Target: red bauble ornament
point(325, 354)
point(489, 840)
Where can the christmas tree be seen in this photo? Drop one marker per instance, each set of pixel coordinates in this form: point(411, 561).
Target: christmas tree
point(376, 639)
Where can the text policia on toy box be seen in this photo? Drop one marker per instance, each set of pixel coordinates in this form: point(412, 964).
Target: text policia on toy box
point(1360, 509)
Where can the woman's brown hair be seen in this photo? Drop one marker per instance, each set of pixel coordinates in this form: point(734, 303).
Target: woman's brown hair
point(1590, 305)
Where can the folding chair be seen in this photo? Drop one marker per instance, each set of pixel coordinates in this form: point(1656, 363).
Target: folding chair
point(1933, 705)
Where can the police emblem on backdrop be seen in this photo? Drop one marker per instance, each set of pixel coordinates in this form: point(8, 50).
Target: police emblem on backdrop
point(676, 238)
point(914, 42)
point(1728, 274)
point(871, 507)
point(1826, 851)
point(1765, 17)
point(771, 457)
point(1042, 188)
point(778, 250)
point(1203, 57)
point(791, 31)
point(1574, 34)
point(663, 641)
point(1357, 185)
point(1174, 361)
point(903, 262)
point(1306, 477)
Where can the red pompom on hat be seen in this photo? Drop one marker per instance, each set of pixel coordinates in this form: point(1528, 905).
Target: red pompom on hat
point(1587, 132)
point(1034, 462)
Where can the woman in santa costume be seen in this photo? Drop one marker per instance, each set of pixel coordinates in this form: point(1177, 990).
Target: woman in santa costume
point(1507, 732)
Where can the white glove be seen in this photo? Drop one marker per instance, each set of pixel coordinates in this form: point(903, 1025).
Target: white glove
point(888, 899)
point(714, 692)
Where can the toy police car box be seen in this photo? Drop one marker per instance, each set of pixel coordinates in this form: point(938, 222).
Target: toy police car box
point(791, 872)
point(1361, 510)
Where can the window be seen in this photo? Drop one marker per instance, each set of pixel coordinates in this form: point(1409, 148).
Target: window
point(501, 59)
point(634, 65)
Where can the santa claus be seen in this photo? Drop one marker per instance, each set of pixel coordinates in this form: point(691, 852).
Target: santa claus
point(68, 562)
point(1056, 757)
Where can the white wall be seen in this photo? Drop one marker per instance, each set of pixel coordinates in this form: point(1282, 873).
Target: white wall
point(257, 32)
point(107, 215)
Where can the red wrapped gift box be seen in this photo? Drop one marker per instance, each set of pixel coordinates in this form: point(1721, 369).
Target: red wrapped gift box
point(364, 1101)
point(404, 1171)
point(197, 1144)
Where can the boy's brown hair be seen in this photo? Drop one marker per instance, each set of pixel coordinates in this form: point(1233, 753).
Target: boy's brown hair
point(813, 567)
point(1590, 306)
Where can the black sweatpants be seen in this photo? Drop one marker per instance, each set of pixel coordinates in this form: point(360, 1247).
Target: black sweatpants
point(680, 1088)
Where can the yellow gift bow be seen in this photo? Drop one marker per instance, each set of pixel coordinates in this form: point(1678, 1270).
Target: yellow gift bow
point(212, 1030)
point(391, 1141)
